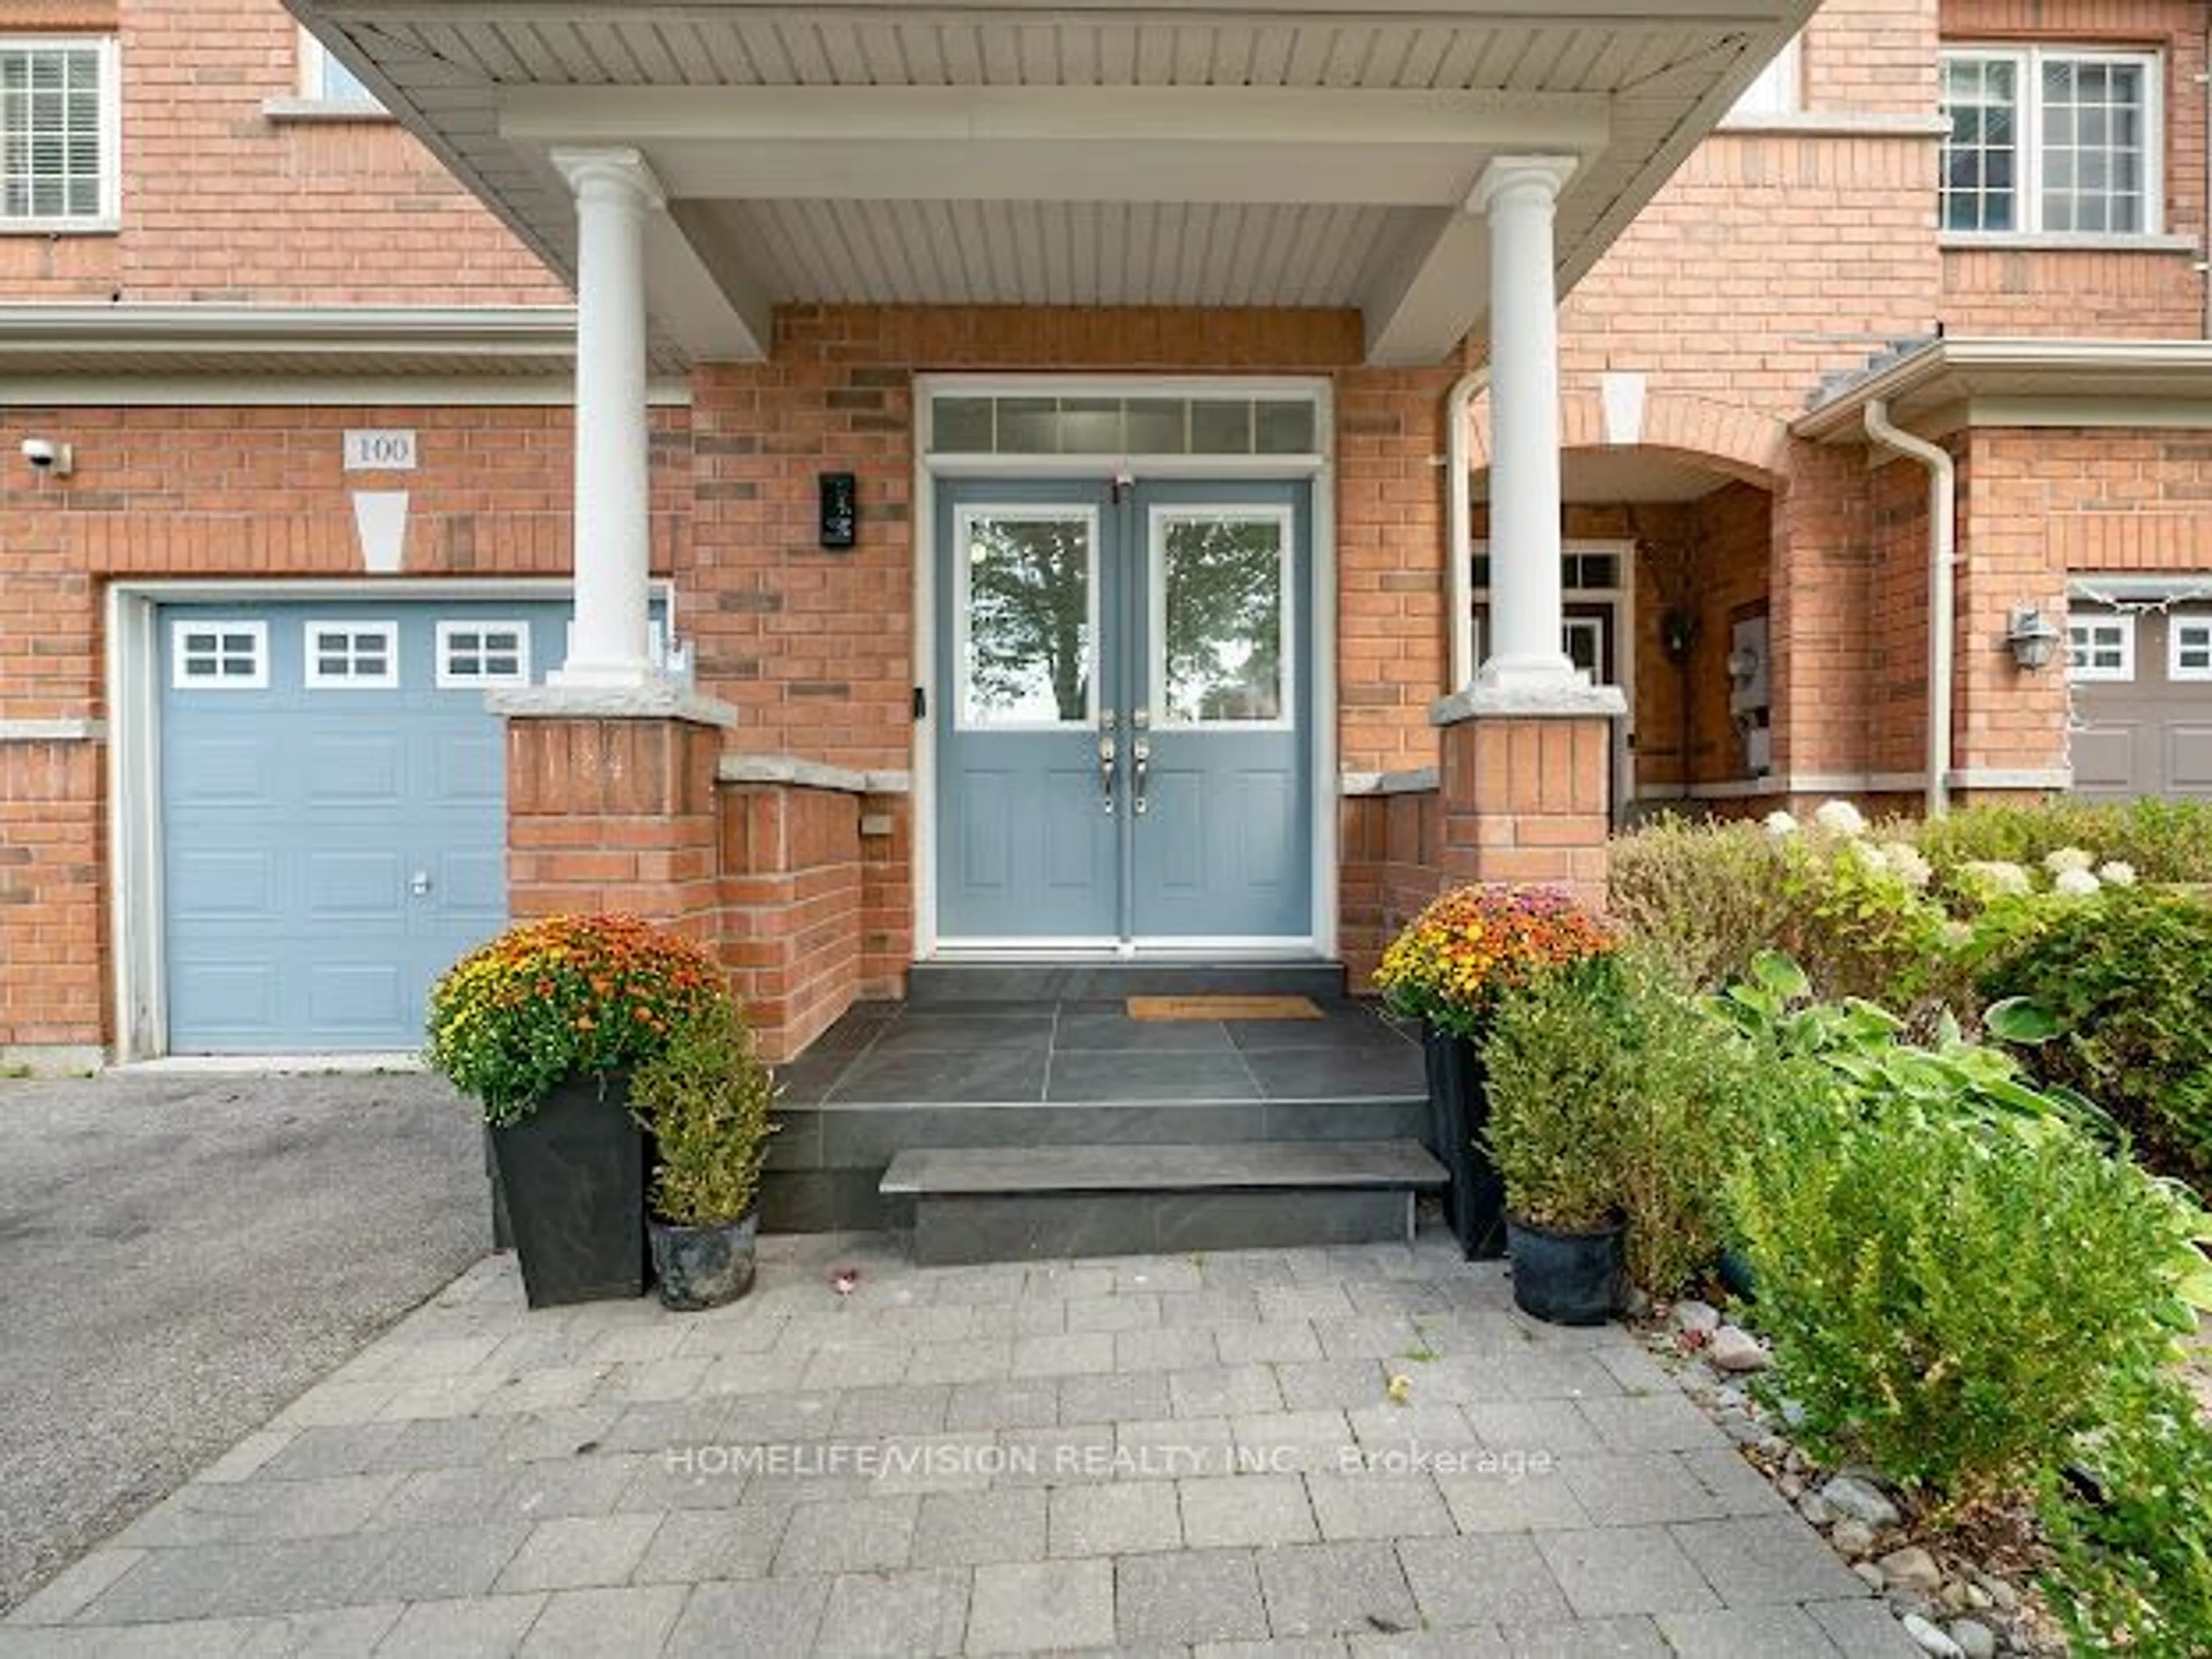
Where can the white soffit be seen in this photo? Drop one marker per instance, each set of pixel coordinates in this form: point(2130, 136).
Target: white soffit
point(1315, 152)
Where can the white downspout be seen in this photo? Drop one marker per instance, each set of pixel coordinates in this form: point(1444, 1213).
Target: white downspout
point(1943, 558)
point(1458, 538)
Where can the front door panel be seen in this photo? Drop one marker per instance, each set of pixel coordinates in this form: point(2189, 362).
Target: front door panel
point(1221, 830)
point(1028, 851)
point(1123, 715)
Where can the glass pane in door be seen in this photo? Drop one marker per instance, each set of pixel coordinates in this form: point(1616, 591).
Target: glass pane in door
point(1028, 608)
point(1222, 593)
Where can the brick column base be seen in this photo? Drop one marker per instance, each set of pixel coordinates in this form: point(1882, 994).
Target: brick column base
point(610, 804)
point(1526, 779)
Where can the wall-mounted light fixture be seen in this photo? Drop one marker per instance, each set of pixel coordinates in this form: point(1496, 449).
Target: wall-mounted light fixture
point(2032, 636)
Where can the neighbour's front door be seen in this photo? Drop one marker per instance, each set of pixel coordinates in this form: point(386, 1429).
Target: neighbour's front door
point(1123, 713)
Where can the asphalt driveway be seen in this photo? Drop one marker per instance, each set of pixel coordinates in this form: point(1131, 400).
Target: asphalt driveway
point(180, 1256)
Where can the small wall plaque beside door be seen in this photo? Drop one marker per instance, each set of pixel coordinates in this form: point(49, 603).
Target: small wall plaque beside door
point(841, 510)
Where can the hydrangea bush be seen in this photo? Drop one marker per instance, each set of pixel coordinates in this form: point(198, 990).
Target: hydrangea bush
point(563, 996)
point(1451, 962)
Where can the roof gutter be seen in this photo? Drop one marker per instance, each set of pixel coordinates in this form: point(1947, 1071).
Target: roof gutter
point(1942, 560)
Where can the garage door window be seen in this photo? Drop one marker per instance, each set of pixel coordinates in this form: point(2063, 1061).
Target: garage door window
point(219, 656)
point(482, 653)
point(2102, 648)
point(2188, 650)
point(352, 656)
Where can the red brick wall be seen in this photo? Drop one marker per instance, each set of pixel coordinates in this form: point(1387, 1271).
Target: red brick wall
point(221, 203)
point(792, 911)
point(1393, 848)
point(53, 987)
point(2050, 291)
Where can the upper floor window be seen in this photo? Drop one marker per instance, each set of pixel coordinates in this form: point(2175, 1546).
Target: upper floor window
point(324, 80)
point(1779, 88)
point(57, 133)
point(2052, 141)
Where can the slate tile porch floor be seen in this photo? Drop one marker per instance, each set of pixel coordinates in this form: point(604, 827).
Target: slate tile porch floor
point(1053, 1052)
point(1158, 1455)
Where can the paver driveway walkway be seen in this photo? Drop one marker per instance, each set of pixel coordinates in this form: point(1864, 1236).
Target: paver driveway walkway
point(1156, 1455)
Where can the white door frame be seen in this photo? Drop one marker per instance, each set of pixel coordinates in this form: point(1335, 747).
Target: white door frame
point(1318, 467)
point(135, 899)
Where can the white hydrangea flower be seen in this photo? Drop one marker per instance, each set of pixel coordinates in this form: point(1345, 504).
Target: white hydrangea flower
point(1957, 934)
point(2069, 857)
point(2075, 883)
point(2117, 873)
point(1867, 857)
point(1781, 823)
point(1996, 877)
point(1903, 858)
point(1840, 818)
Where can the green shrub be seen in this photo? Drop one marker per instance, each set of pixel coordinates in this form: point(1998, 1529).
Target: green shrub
point(2127, 978)
point(1612, 1093)
point(705, 1098)
point(2134, 1571)
point(1703, 898)
point(2166, 841)
point(1948, 1300)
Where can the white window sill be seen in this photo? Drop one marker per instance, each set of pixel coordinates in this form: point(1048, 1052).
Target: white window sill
point(1961, 241)
point(60, 227)
point(323, 109)
point(1835, 124)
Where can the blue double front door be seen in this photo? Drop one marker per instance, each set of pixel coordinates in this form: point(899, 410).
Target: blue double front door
point(1123, 706)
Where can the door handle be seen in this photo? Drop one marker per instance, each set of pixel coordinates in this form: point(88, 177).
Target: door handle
point(1140, 761)
point(419, 883)
point(1106, 754)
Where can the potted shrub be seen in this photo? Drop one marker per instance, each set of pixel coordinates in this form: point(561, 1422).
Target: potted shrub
point(543, 1026)
point(1448, 968)
point(1558, 1076)
point(704, 1099)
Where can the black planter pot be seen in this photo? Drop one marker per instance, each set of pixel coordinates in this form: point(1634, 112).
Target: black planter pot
point(1459, 1106)
point(1565, 1278)
point(703, 1267)
point(572, 1178)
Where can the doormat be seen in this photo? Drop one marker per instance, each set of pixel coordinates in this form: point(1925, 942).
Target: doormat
point(1226, 1008)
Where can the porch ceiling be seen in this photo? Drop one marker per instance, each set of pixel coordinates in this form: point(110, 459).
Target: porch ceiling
point(1192, 152)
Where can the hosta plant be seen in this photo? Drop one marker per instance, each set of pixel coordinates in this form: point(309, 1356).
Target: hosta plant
point(563, 996)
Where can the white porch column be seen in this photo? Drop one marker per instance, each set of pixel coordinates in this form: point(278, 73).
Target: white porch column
point(612, 647)
point(1519, 194)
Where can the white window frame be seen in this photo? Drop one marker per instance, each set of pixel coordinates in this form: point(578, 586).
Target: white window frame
point(2089, 674)
point(1025, 512)
point(1155, 576)
point(315, 65)
point(314, 679)
point(1778, 90)
point(2175, 622)
point(109, 217)
point(2028, 120)
point(180, 627)
point(449, 679)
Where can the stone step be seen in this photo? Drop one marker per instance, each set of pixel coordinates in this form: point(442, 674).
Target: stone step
point(1011, 1203)
point(939, 984)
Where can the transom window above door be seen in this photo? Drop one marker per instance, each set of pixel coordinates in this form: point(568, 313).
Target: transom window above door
point(2052, 141)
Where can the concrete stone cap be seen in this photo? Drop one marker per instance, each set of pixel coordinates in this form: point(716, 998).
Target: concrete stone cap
point(54, 731)
point(1529, 702)
point(654, 700)
point(810, 774)
point(1419, 781)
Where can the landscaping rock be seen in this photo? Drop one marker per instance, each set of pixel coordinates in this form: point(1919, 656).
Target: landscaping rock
point(1975, 1639)
point(1857, 1498)
point(1869, 1575)
point(1854, 1538)
point(1931, 1640)
point(1697, 1318)
point(1912, 1569)
point(1737, 1350)
point(1817, 1510)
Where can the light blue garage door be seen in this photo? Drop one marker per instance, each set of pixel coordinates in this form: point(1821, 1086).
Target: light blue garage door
point(333, 798)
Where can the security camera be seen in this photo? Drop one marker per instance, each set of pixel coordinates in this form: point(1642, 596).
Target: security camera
point(47, 456)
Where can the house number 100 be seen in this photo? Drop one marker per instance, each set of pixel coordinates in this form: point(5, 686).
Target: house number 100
point(379, 452)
